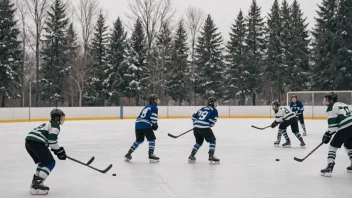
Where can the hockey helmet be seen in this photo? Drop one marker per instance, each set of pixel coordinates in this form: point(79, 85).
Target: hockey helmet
point(331, 96)
point(57, 115)
point(152, 98)
point(212, 101)
point(294, 96)
point(275, 103)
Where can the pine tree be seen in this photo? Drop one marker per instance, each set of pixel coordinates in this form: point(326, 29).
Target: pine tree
point(236, 58)
point(137, 74)
point(10, 52)
point(178, 81)
point(299, 50)
point(256, 46)
point(55, 64)
point(160, 61)
point(210, 65)
point(324, 48)
point(344, 44)
point(274, 70)
point(95, 93)
point(72, 55)
point(117, 52)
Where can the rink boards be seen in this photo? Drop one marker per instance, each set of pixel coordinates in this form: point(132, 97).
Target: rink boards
point(116, 112)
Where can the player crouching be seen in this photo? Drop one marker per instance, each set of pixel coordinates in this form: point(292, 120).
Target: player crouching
point(203, 120)
point(37, 141)
point(339, 121)
point(285, 117)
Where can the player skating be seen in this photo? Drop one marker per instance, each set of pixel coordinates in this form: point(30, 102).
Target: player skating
point(203, 120)
point(285, 117)
point(37, 141)
point(146, 124)
point(298, 108)
point(339, 121)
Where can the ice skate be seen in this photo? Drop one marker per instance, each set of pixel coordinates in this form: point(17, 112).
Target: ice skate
point(38, 187)
point(277, 143)
point(128, 157)
point(191, 159)
point(327, 172)
point(302, 143)
point(349, 169)
point(153, 158)
point(287, 144)
point(213, 160)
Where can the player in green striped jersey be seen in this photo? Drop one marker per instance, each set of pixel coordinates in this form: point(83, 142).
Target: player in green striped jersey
point(37, 142)
point(339, 121)
point(285, 117)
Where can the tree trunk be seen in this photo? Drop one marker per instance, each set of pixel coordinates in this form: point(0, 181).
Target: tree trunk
point(3, 100)
point(37, 67)
point(254, 98)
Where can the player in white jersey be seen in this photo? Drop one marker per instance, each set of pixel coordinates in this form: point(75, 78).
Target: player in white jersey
point(340, 121)
point(285, 117)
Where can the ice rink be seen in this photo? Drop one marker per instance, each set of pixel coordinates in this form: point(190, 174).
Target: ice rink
point(247, 169)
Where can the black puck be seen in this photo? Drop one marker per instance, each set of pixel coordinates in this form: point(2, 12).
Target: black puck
point(277, 159)
point(114, 174)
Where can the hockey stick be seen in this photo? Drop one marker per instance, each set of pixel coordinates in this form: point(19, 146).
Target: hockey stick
point(176, 136)
point(261, 128)
point(90, 161)
point(102, 171)
point(301, 160)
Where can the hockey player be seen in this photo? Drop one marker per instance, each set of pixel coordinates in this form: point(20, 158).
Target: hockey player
point(37, 142)
point(298, 108)
point(285, 117)
point(339, 121)
point(146, 124)
point(203, 120)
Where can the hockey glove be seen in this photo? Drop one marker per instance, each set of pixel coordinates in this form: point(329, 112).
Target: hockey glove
point(274, 124)
point(155, 127)
point(60, 153)
point(327, 137)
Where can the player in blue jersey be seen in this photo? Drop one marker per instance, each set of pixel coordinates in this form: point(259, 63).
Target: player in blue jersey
point(203, 120)
point(297, 107)
point(146, 124)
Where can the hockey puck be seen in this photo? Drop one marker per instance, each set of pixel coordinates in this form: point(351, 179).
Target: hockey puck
point(114, 174)
point(277, 159)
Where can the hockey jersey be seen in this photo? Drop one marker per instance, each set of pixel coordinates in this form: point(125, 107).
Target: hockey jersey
point(339, 116)
point(283, 114)
point(206, 117)
point(47, 133)
point(147, 117)
point(297, 107)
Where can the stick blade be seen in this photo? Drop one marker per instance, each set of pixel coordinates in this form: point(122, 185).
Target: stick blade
point(107, 169)
point(257, 127)
point(91, 160)
point(171, 135)
point(298, 160)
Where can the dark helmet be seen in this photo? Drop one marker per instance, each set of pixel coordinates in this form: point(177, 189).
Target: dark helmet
point(56, 114)
point(294, 96)
point(276, 103)
point(331, 96)
point(152, 97)
point(212, 100)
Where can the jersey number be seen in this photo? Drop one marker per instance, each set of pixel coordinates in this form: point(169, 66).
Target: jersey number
point(286, 110)
point(144, 113)
point(348, 112)
point(202, 115)
point(40, 127)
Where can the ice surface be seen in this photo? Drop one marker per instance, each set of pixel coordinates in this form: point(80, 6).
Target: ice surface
point(247, 169)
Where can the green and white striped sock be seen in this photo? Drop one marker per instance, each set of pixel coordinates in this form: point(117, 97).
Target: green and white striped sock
point(332, 154)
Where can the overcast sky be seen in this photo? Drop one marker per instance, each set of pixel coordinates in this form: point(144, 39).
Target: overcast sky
point(223, 12)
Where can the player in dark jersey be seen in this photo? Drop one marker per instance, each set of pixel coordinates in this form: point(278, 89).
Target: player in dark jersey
point(203, 120)
point(298, 108)
point(146, 124)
